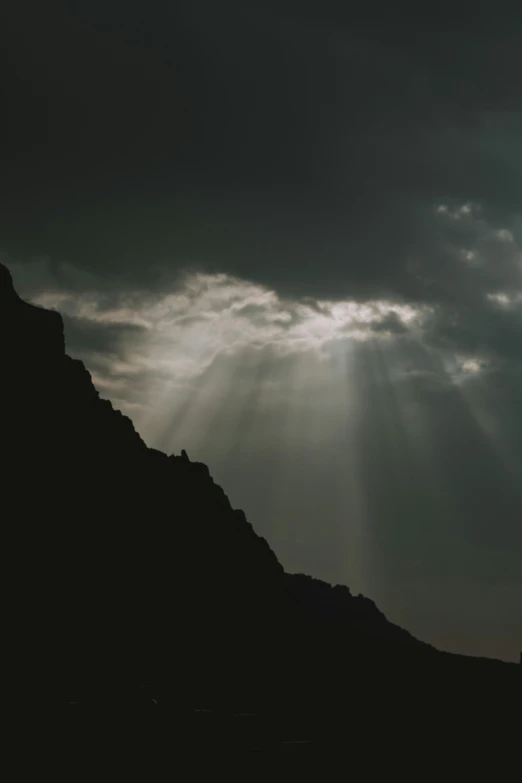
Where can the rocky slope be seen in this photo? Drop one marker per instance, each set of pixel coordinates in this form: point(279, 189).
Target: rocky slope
point(125, 565)
point(336, 604)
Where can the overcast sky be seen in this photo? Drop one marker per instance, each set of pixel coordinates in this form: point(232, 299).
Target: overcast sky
point(287, 237)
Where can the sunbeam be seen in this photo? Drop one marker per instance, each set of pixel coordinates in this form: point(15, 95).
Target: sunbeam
point(335, 424)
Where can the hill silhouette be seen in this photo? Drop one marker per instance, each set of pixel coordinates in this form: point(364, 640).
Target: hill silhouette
point(127, 567)
point(336, 604)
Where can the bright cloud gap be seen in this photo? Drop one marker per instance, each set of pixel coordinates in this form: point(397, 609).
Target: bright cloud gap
point(219, 312)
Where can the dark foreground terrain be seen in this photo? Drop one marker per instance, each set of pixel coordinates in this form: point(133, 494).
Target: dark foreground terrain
point(147, 626)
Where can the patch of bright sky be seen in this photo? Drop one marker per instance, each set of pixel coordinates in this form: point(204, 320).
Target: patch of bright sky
point(504, 299)
point(221, 312)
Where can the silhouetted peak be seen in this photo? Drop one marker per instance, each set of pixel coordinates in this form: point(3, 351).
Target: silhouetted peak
point(336, 604)
point(110, 502)
point(7, 290)
point(30, 332)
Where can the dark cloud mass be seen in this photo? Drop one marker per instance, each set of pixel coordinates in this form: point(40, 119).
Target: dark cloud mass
point(288, 237)
point(257, 140)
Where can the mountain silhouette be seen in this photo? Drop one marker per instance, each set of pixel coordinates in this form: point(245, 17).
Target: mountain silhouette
point(335, 604)
point(127, 567)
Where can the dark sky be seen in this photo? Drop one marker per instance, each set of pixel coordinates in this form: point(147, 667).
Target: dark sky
point(287, 236)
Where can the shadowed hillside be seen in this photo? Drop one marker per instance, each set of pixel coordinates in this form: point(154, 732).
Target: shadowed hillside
point(128, 567)
point(336, 604)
